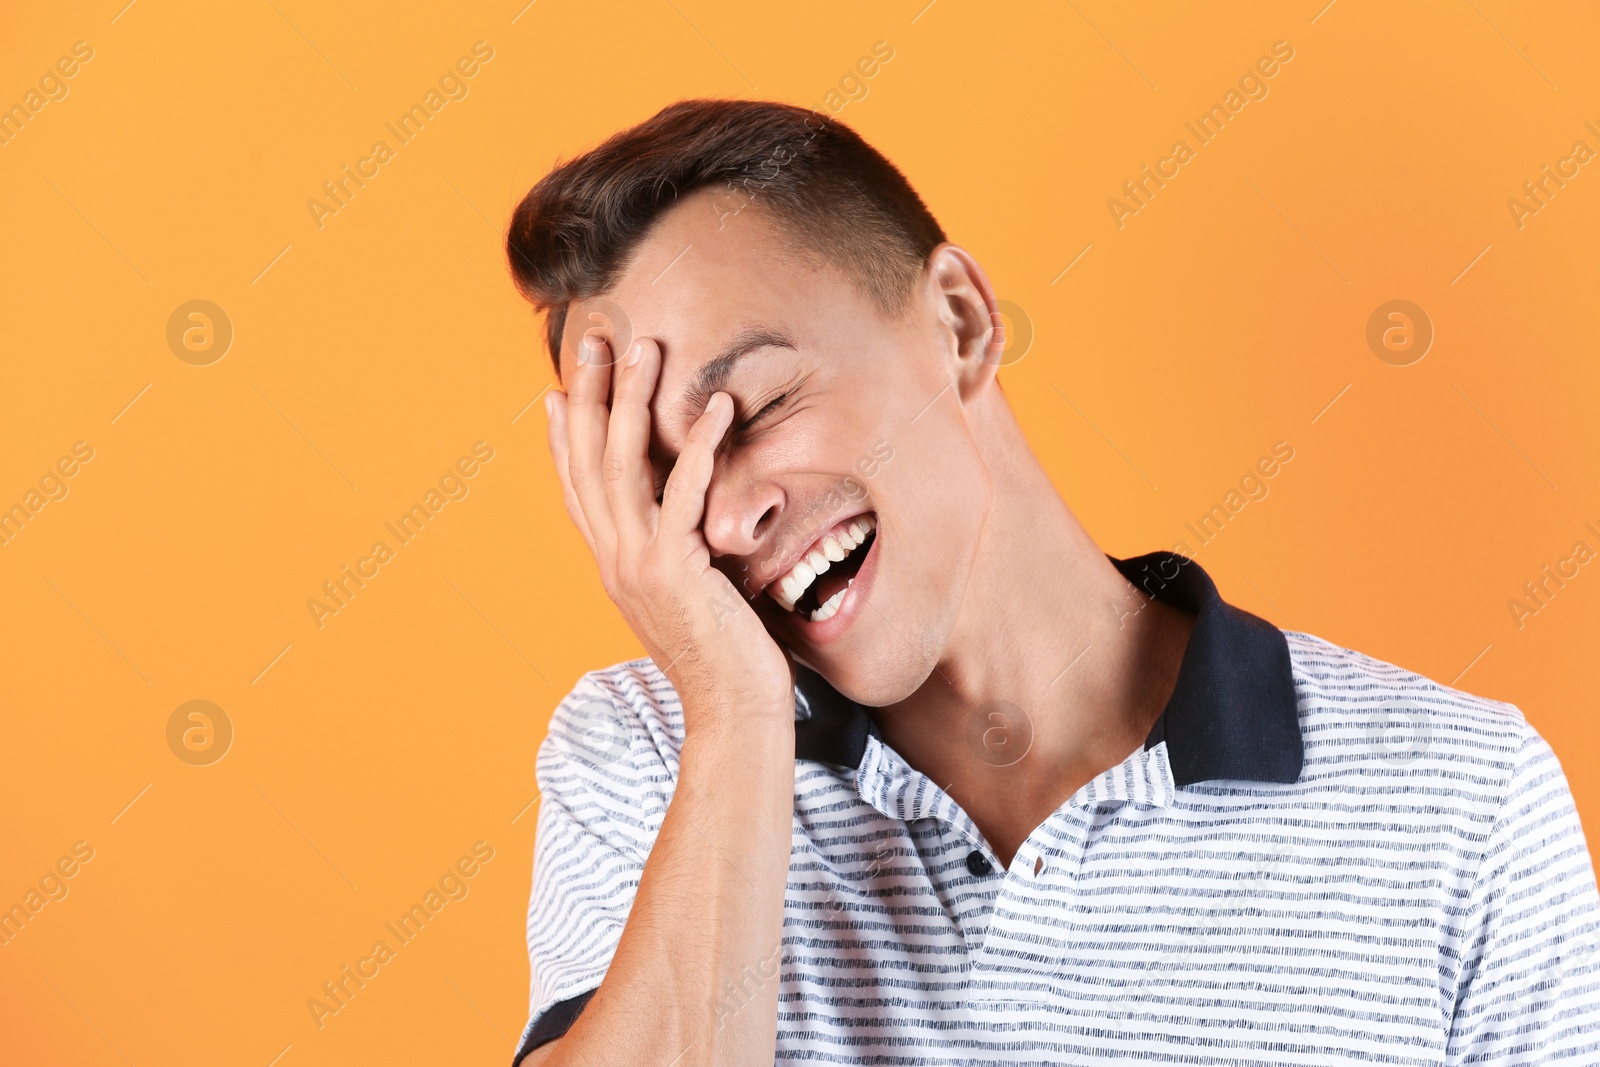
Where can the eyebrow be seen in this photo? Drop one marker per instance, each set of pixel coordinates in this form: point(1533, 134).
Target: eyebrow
point(713, 376)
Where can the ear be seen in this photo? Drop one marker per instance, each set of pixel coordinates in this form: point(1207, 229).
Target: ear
point(969, 318)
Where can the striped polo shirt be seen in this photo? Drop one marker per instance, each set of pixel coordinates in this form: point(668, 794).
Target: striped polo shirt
point(1315, 858)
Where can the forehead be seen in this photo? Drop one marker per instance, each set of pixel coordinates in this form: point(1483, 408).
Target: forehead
point(708, 268)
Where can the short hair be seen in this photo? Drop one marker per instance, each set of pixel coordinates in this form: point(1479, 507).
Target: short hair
point(832, 194)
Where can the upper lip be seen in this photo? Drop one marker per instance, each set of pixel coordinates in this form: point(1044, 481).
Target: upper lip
point(789, 559)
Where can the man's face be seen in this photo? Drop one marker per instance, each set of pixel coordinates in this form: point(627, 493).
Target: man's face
point(843, 420)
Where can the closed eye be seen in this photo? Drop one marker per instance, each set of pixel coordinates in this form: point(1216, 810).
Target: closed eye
point(766, 410)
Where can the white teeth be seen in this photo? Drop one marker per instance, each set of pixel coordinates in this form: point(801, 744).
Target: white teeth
point(827, 610)
point(794, 584)
point(833, 548)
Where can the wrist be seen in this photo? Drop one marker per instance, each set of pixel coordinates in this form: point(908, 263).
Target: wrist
point(742, 731)
point(705, 707)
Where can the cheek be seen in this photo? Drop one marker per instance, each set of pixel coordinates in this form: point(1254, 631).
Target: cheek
point(935, 489)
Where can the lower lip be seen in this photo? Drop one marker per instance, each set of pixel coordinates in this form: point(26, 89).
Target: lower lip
point(853, 604)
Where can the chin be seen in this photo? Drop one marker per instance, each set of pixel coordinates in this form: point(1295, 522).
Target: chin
point(884, 664)
point(877, 688)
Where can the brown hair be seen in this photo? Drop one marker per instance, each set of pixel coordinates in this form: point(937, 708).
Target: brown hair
point(835, 196)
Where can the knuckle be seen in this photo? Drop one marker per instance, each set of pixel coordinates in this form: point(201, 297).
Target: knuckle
point(611, 579)
point(652, 572)
point(626, 589)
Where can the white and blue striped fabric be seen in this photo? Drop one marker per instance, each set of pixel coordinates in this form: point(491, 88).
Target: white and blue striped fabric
point(1420, 895)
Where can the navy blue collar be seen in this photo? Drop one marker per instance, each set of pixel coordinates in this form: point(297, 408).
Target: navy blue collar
point(1232, 715)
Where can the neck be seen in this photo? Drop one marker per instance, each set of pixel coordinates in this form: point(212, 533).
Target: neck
point(1056, 670)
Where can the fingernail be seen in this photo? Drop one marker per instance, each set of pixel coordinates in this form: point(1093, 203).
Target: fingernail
point(549, 405)
point(635, 352)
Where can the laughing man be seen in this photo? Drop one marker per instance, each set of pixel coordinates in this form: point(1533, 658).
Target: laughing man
point(914, 772)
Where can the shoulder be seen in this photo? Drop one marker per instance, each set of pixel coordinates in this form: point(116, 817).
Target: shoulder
point(620, 728)
point(634, 690)
point(1369, 721)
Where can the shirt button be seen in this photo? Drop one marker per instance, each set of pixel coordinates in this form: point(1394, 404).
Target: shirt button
point(978, 864)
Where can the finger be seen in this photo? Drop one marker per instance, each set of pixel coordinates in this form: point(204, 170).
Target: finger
point(586, 436)
point(630, 480)
point(558, 452)
point(684, 503)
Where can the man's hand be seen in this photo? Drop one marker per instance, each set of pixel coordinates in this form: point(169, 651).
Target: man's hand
point(710, 896)
point(654, 561)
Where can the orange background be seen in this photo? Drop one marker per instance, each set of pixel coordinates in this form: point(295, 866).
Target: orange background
point(371, 353)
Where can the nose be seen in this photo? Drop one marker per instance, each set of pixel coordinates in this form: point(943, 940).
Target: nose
point(742, 510)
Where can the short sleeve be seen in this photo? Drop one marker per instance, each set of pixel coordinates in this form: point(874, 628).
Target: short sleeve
point(1529, 984)
point(602, 785)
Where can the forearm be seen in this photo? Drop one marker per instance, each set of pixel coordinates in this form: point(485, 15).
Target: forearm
point(695, 976)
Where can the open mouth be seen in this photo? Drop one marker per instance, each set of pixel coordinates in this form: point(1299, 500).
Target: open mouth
point(815, 587)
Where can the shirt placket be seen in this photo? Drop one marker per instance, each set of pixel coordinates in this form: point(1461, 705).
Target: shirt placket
point(1021, 948)
point(1038, 907)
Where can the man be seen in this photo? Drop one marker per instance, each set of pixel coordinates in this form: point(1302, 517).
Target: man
point(914, 773)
